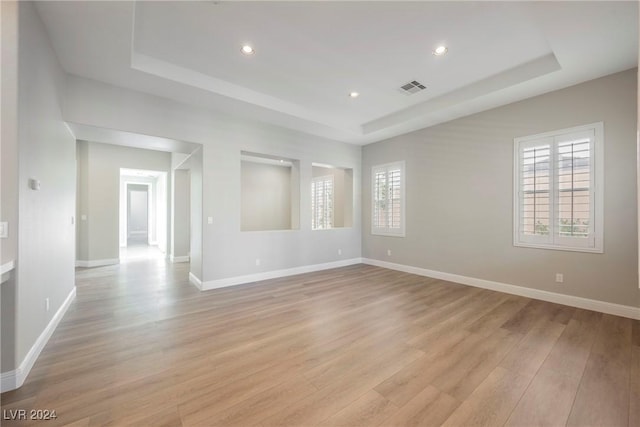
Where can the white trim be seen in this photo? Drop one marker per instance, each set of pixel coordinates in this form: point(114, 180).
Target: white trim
point(573, 301)
point(594, 243)
point(184, 258)
point(96, 262)
point(195, 281)
point(387, 231)
point(239, 280)
point(14, 379)
point(7, 267)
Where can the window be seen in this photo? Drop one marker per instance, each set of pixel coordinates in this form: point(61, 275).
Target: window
point(331, 197)
point(322, 202)
point(387, 185)
point(558, 185)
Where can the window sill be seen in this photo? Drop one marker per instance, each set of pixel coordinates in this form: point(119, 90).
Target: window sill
point(282, 230)
point(332, 228)
point(559, 248)
point(382, 233)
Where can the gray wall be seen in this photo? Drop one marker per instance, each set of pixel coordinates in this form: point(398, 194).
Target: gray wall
point(99, 194)
point(227, 251)
point(82, 200)
point(197, 224)
point(459, 207)
point(8, 179)
point(47, 152)
point(266, 197)
point(9, 130)
point(181, 213)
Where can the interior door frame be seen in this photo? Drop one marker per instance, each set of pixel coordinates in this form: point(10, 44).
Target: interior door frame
point(128, 208)
point(125, 218)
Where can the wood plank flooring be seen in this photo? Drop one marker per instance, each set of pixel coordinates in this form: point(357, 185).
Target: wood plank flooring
point(354, 346)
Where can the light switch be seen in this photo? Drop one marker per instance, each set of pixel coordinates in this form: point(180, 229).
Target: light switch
point(209, 220)
point(4, 230)
point(83, 217)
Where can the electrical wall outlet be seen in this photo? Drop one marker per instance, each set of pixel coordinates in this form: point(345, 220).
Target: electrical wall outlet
point(559, 277)
point(209, 220)
point(257, 261)
point(4, 230)
point(34, 184)
point(339, 251)
point(388, 252)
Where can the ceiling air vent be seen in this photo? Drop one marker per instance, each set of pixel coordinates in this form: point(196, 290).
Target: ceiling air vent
point(412, 87)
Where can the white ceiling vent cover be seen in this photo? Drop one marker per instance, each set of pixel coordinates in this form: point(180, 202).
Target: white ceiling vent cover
point(412, 87)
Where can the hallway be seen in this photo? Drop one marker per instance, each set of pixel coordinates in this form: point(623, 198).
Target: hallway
point(140, 252)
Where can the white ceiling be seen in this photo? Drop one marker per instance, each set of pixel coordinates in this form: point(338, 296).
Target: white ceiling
point(310, 55)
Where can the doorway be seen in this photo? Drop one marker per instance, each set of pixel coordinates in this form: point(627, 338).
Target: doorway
point(138, 214)
point(143, 214)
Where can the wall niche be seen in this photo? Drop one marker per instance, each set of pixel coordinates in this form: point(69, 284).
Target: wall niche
point(331, 197)
point(270, 192)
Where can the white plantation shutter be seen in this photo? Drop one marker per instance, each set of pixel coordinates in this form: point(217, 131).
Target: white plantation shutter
point(535, 190)
point(557, 200)
point(379, 199)
point(322, 202)
point(574, 175)
point(388, 199)
point(394, 198)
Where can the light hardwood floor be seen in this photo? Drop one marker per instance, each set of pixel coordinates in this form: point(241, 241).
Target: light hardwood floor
point(355, 346)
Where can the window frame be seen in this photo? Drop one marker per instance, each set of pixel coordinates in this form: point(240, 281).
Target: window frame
point(389, 231)
point(594, 243)
point(323, 179)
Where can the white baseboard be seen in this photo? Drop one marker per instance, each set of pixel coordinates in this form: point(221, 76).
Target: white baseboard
point(239, 280)
point(14, 379)
point(573, 301)
point(97, 262)
point(195, 281)
point(179, 258)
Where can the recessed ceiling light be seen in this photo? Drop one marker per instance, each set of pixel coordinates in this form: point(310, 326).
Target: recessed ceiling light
point(354, 94)
point(440, 50)
point(247, 50)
